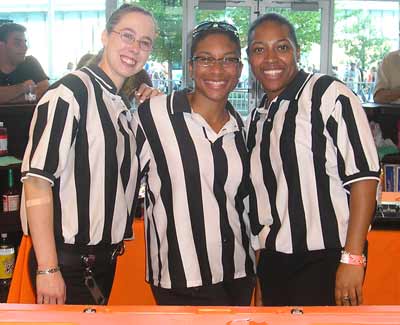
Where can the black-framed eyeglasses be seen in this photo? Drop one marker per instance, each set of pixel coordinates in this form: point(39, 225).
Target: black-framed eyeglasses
point(215, 25)
point(129, 38)
point(209, 61)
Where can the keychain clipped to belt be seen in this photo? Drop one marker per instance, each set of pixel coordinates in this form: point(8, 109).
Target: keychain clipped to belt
point(90, 282)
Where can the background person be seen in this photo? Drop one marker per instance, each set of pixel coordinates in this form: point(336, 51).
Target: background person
point(314, 171)
point(80, 169)
point(387, 88)
point(17, 71)
point(193, 154)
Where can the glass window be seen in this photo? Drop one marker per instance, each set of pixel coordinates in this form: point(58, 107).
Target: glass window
point(364, 32)
point(165, 64)
point(59, 32)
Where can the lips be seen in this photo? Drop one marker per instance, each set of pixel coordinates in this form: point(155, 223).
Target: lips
point(216, 83)
point(128, 61)
point(272, 73)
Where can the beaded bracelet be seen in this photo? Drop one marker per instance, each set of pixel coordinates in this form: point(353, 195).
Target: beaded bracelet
point(48, 271)
point(348, 258)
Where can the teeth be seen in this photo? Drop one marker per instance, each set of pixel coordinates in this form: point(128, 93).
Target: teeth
point(216, 82)
point(272, 73)
point(128, 61)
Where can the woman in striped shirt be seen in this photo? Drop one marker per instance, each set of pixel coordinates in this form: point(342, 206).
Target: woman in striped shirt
point(192, 152)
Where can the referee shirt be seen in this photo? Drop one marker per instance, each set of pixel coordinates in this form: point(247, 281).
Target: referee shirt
point(197, 230)
point(82, 143)
point(307, 148)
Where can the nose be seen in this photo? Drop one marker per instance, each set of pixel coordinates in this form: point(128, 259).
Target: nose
point(134, 46)
point(270, 55)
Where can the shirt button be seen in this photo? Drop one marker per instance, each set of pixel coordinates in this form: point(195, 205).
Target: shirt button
point(224, 240)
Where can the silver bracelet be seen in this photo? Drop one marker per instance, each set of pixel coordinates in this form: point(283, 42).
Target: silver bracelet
point(48, 271)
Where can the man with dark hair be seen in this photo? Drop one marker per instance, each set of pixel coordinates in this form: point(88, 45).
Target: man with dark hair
point(18, 73)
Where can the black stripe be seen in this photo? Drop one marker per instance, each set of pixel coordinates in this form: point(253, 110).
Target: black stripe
point(111, 163)
point(287, 146)
point(41, 121)
point(242, 193)
point(82, 175)
point(191, 171)
point(353, 135)
point(227, 236)
point(255, 225)
point(329, 224)
point(332, 127)
point(269, 178)
point(126, 164)
point(56, 134)
point(175, 265)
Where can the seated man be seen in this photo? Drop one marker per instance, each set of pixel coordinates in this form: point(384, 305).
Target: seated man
point(17, 71)
point(387, 89)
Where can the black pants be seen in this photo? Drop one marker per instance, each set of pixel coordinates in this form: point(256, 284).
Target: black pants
point(73, 272)
point(236, 292)
point(306, 279)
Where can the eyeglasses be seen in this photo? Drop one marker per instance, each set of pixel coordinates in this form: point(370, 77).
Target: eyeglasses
point(129, 38)
point(215, 25)
point(208, 61)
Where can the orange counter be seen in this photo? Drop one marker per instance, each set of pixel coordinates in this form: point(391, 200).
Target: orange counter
point(382, 283)
point(152, 315)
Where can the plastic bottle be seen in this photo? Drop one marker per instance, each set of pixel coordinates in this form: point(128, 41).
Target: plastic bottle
point(3, 140)
point(7, 261)
point(11, 197)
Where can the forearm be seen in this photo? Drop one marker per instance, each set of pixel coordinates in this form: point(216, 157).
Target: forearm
point(362, 208)
point(42, 86)
point(387, 95)
point(11, 93)
point(39, 207)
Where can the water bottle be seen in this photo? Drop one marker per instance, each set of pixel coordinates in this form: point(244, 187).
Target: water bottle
point(7, 261)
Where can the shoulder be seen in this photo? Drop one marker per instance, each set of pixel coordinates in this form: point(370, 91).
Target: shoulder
point(76, 84)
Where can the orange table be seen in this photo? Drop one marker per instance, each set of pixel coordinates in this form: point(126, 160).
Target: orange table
point(382, 283)
point(152, 315)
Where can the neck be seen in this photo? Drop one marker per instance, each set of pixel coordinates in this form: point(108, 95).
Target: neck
point(213, 112)
point(6, 66)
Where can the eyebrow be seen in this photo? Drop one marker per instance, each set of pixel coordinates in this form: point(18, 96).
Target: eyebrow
point(127, 29)
point(273, 41)
point(210, 54)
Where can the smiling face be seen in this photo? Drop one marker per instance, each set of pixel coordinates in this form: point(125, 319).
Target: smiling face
point(121, 59)
point(15, 48)
point(273, 57)
point(215, 81)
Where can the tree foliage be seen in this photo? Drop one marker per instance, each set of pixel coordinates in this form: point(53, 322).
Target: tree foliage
point(360, 39)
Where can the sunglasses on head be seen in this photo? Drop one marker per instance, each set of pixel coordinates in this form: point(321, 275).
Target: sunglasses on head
point(214, 25)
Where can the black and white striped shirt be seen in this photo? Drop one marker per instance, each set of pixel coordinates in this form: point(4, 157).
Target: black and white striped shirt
point(306, 149)
point(81, 141)
point(196, 224)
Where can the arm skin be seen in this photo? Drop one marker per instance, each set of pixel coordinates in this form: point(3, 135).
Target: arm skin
point(385, 96)
point(41, 88)
point(50, 288)
point(349, 278)
point(16, 93)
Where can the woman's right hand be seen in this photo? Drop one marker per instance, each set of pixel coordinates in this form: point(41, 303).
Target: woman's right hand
point(50, 289)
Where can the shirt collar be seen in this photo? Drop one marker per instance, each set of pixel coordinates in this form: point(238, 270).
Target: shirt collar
point(106, 82)
point(292, 91)
point(180, 104)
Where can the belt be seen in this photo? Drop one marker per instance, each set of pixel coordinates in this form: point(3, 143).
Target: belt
point(99, 253)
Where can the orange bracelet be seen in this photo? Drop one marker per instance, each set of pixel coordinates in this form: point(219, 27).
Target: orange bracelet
point(348, 258)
